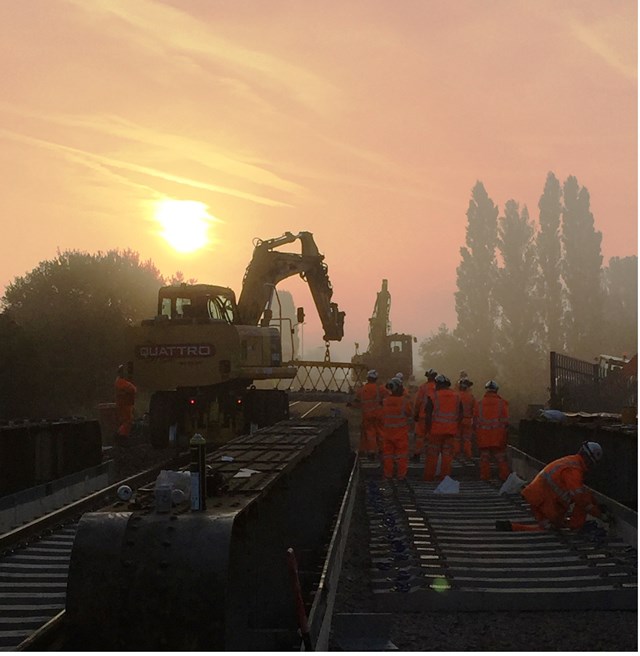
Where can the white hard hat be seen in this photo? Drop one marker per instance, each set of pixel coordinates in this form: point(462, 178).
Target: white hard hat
point(395, 385)
point(491, 385)
point(372, 373)
point(399, 376)
point(592, 451)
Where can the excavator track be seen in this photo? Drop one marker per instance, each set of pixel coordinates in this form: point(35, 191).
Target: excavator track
point(432, 551)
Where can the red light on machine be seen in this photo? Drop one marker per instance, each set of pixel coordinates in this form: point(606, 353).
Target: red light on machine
point(239, 401)
point(192, 401)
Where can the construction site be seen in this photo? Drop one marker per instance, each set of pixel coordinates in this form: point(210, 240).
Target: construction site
point(249, 508)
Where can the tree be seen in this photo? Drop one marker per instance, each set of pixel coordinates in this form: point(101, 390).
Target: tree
point(549, 248)
point(621, 305)
point(518, 352)
point(74, 313)
point(444, 352)
point(476, 275)
point(582, 273)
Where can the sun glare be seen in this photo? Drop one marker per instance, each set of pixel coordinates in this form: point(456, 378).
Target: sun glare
point(185, 223)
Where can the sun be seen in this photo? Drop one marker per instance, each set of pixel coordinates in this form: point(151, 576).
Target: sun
point(185, 223)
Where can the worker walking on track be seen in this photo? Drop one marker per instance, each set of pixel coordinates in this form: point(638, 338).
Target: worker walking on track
point(557, 495)
point(396, 416)
point(426, 389)
point(443, 417)
point(369, 400)
point(463, 441)
point(491, 423)
point(125, 392)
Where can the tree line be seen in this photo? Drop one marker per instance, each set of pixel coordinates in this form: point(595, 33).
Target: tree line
point(525, 290)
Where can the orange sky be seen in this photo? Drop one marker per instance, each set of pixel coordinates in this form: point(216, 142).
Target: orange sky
point(366, 123)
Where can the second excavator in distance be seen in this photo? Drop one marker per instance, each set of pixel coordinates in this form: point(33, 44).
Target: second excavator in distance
point(201, 353)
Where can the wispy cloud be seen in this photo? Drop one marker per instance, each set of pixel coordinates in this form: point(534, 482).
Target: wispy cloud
point(177, 31)
point(92, 159)
point(598, 44)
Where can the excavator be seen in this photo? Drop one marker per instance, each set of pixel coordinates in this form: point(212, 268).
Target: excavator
point(388, 353)
point(200, 355)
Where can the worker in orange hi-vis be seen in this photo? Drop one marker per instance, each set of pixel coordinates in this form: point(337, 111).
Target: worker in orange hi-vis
point(443, 420)
point(557, 495)
point(369, 400)
point(396, 417)
point(490, 424)
point(463, 442)
point(426, 389)
point(125, 392)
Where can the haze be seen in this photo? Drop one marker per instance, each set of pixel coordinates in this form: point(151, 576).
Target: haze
point(365, 123)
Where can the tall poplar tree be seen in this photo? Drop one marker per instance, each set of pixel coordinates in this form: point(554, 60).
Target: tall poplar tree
point(621, 306)
point(582, 273)
point(518, 350)
point(476, 275)
point(549, 248)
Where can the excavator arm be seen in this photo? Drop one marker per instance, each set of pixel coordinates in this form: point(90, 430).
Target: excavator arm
point(268, 267)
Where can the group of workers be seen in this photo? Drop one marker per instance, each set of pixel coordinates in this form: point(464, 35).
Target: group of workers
point(445, 421)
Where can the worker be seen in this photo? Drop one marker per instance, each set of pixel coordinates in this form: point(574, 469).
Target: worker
point(490, 424)
point(369, 400)
point(463, 442)
point(443, 418)
point(426, 389)
point(396, 415)
point(557, 495)
point(125, 392)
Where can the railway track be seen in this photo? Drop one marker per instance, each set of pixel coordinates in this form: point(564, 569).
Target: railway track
point(34, 562)
point(427, 551)
point(442, 552)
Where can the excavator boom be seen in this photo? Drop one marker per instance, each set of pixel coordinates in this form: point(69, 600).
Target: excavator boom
point(268, 267)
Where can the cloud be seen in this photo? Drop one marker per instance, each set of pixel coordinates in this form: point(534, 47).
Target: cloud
point(94, 161)
point(172, 29)
point(596, 41)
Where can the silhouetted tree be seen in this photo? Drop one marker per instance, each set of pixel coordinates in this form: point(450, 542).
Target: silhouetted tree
point(549, 248)
point(582, 273)
point(445, 353)
point(73, 313)
point(476, 276)
point(518, 350)
point(621, 306)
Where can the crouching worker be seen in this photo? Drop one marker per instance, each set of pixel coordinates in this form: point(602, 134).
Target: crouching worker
point(557, 495)
point(396, 415)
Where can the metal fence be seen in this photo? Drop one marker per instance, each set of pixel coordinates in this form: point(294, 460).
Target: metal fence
point(579, 386)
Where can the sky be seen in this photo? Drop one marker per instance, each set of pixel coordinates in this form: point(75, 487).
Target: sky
point(364, 122)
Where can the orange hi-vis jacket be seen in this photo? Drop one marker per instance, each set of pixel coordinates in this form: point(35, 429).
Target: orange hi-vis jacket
point(125, 393)
point(559, 486)
point(446, 413)
point(419, 408)
point(369, 398)
point(469, 404)
point(491, 421)
point(396, 412)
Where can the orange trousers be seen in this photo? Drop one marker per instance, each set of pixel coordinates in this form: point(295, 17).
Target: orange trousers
point(438, 445)
point(125, 419)
point(500, 455)
point(370, 434)
point(395, 448)
point(551, 514)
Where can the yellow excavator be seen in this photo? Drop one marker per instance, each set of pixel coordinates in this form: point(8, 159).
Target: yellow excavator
point(200, 355)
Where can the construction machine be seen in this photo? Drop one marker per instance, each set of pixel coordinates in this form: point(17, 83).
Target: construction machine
point(201, 353)
point(388, 353)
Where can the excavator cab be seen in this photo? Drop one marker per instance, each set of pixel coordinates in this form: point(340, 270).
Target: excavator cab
point(197, 302)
